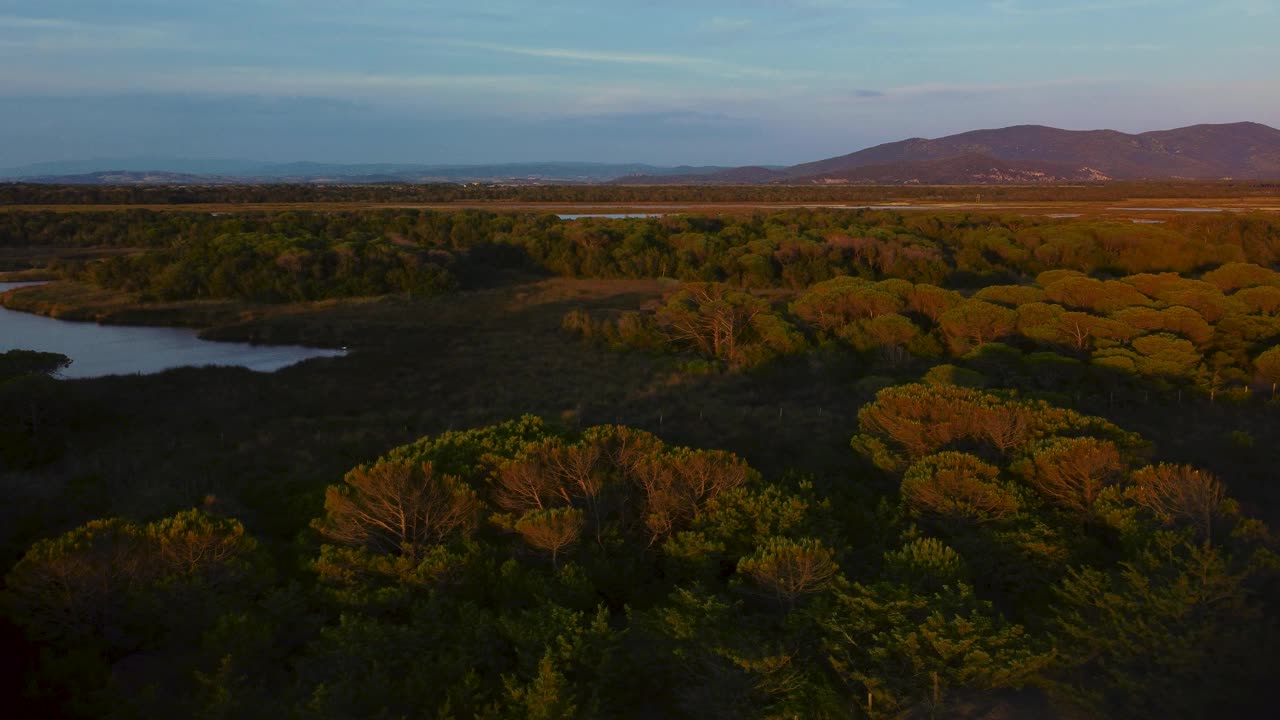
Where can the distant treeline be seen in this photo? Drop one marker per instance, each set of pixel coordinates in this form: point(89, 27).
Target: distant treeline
point(42, 194)
point(306, 255)
point(1065, 332)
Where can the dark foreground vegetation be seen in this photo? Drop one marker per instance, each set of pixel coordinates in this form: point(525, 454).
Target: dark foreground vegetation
point(792, 464)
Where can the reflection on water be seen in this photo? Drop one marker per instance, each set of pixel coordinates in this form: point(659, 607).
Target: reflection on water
point(97, 350)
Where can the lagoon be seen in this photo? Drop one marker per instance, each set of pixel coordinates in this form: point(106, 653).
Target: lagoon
point(98, 350)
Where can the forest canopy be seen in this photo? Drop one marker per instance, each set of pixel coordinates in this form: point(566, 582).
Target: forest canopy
point(603, 573)
point(830, 463)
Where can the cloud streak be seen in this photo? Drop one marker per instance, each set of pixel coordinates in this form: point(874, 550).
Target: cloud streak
point(657, 60)
point(50, 34)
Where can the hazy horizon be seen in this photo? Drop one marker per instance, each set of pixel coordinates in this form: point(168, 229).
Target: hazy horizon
point(708, 82)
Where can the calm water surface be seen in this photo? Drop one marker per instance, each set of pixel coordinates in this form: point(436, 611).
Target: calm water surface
point(611, 216)
point(1171, 209)
point(97, 350)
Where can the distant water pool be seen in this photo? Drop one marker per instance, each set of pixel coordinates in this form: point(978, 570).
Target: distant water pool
point(611, 216)
point(98, 350)
point(1170, 209)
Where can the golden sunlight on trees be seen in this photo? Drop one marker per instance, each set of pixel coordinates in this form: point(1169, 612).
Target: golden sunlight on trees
point(957, 486)
point(1180, 493)
point(1071, 473)
point(974, 322)
point(676, 485)
point(711, 316)
point(396, 506)
point(789, 569)
point(551, 531)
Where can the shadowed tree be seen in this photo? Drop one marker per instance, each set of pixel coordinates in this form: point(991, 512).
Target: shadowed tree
point(87, 583)
point(16, 363)
point(1268, 366)
point(907, 654)
point(1150, 638)
point(925, 564)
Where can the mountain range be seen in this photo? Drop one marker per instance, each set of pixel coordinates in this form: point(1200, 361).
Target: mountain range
point(189, 171)
point(1035, 153)
point(1012, 155)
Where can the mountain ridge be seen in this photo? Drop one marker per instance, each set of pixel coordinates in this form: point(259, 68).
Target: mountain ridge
point(1014, 154)
point(1039, 153)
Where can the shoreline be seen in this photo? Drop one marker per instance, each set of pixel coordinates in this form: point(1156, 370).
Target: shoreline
point(214, 320)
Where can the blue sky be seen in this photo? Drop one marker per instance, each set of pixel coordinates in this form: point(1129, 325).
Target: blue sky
point(661, 81)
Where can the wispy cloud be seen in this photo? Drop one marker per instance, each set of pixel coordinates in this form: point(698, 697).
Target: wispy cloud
point(1247, 8)
point(970, 90)
point(1020, 46)
point(49, 34)
point(17, 22)
point(672, 61)
point(722, 24)
point(251, 80)
point(1020, 7)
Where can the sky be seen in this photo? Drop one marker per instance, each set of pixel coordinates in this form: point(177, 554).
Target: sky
point(655, 81)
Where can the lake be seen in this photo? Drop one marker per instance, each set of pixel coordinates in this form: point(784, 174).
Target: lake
point(97, 350)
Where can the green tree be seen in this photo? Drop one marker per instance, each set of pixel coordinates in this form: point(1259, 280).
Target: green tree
point(1172, 633)
point(900, 653)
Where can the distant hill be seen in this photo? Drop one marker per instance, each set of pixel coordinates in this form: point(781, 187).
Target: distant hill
point(1034, 153)
point(750, 175)
point(970, 168)
point(1203, 152)
point(133, 177)
point(1019, 154)
point(185, 171)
